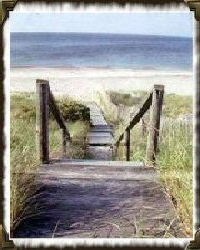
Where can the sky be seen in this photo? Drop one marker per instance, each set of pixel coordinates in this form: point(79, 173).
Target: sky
point(157, 23)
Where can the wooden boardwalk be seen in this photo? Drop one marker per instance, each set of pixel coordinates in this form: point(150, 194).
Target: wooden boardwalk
point(100, 197)
point(89, 199)
point(100, 137)
point(101, 134)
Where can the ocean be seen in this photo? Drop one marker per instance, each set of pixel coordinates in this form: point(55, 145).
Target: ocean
point(139, 52)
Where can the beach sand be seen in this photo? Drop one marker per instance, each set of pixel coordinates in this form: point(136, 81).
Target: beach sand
point(84, 83)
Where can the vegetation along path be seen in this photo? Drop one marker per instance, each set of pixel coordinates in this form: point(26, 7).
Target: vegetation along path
point(99, 197)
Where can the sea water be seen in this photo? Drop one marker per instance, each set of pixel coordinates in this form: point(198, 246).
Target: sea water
point(101, 51)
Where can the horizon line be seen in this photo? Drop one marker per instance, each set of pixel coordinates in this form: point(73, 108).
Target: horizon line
point(75, 32)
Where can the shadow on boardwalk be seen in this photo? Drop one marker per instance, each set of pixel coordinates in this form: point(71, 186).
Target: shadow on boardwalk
point(119, 202)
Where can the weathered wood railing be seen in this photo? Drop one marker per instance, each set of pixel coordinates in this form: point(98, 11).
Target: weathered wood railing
point(153, 102)
point(46, 104)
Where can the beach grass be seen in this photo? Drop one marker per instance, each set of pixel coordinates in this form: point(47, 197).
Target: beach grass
point(175, 162)
point(175, 157)
point(23, 149)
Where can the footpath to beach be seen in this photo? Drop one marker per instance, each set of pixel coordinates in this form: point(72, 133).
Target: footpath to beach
point(100, 137)
point(90, 199)
point(101, 198)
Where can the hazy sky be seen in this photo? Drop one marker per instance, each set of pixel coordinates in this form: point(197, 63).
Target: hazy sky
point(157, 23)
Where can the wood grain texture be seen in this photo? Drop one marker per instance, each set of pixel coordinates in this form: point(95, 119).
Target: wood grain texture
point(153, 101)
point(100, 137)
point(154, 127)
point(45, 103)
point(42, 119)
point(96, 199)
point(58, 115)
point(128, 144)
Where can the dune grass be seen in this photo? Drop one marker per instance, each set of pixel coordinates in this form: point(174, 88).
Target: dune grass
point(23, 148)
point(175, 158)
point(175, 162)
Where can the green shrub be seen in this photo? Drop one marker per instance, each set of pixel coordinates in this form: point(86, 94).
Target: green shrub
point(73, 111)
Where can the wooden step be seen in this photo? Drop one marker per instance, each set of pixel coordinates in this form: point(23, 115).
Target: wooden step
point(134, 165)
point(100, 133)
point(100, 140)
point(99, 170)
point(102, 126)
point(101, 199)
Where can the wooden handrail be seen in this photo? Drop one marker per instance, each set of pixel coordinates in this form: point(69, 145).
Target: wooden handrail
point(57, 115)
point(46, 104)
point(153, 101)
point(137, 116)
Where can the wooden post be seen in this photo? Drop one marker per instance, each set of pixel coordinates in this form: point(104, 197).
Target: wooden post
point(128, 137)
point(116, 149)
point(42, 119)
point(197, 115)
point(155, 113)
point(64, 141)
point(143, 127)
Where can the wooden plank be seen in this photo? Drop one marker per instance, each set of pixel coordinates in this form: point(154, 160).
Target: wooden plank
point(101, 169)
point(128, 137)
point(155, 113)
point(96, 129)
point(42, 119)
point(100, 137)
point(100, 201)
point(101, 131)
point(100, 140)
point(96, 115)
